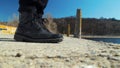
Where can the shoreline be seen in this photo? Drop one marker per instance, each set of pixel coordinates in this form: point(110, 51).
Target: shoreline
point(99, 36)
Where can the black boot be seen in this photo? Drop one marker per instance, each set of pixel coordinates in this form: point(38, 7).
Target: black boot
point(31, 31)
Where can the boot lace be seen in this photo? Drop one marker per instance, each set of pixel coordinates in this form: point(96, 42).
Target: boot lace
point(41, 23)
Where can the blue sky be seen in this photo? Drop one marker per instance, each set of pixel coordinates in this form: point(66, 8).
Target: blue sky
point(63, 8)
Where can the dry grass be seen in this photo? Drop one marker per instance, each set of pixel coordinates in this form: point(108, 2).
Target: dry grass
point(50, 24)
point(8, 29)
point(13, 21)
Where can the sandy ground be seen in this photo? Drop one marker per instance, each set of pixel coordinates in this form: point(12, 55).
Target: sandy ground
point(71, 53)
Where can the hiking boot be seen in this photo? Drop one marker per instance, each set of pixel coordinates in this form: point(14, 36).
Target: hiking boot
point(29, 30)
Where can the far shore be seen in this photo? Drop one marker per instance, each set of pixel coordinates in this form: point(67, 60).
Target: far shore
point(99, 36)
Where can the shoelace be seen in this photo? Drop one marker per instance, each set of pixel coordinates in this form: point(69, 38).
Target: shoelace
point(43, 23)
point(40, 23)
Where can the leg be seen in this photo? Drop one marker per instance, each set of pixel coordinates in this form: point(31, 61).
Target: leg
point(41, 6)
point(29, 29)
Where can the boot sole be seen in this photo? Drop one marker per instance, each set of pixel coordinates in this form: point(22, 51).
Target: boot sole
point(27, 39)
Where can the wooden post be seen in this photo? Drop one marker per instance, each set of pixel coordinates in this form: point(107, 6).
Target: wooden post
point(68, 30)
point(78, 24)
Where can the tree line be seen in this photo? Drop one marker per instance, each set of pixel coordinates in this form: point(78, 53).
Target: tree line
point(90, 26)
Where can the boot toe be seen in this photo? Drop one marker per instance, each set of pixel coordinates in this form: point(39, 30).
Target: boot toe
point(57, 36)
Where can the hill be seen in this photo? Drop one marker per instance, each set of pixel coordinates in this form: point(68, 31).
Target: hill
point(90, 26)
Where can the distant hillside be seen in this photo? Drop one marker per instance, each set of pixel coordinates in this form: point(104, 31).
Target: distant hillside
point(3, 23)
point(13, 24)
point(90, 26)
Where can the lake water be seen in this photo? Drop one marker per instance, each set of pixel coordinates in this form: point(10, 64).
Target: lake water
point(110, 40)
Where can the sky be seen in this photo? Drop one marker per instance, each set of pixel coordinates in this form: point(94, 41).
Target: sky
point(65, 8)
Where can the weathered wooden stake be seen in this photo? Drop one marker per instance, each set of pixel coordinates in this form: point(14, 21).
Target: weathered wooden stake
point(68, 30)
point(78, 24)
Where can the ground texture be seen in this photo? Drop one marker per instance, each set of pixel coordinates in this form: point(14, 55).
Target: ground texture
point(71, 53)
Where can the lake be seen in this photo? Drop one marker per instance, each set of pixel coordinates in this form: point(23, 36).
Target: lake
point(109, 40)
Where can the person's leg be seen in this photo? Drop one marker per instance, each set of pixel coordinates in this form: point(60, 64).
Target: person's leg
point(27, 11)
point(41, 6)
point(29, 29)
point(40, 11)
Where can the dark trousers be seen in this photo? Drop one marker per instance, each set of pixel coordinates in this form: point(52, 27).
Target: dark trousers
point(38, 4)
